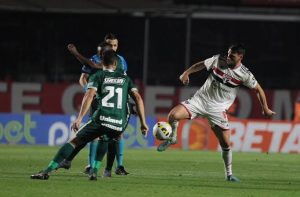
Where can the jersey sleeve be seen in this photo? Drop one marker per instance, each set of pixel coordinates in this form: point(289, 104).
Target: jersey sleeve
point(95, 58)
point(89, 70)
point(86, 69)
point(211, 62)
point(131, 86)
point(250, 80)
point(94, 81)
point(123, 63)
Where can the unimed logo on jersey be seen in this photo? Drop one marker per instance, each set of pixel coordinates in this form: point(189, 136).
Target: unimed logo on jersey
point(114, 81)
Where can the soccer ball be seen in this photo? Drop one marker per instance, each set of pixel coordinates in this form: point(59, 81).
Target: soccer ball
point(162, 130)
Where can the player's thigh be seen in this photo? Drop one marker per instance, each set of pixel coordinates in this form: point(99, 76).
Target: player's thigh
point(179, 112)
point(88, 132)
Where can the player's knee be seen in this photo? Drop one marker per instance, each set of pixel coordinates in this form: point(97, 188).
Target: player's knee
point(76, 142)
point(224, 144)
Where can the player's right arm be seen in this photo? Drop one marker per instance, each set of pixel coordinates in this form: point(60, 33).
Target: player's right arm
point(184, 77)
point(85, 106)
point(140, 110)
point(72, 48)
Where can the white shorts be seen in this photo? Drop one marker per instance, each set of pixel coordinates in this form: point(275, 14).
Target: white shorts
point(196, 108)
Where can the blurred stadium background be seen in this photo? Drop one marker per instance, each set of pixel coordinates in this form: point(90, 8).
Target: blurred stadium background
point(39, 91)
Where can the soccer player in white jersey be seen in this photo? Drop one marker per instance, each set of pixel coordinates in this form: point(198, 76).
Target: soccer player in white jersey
point(215, 96)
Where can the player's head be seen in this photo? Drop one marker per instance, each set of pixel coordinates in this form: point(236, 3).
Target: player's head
point(235, 55)
point(113, 40)
point(102, 47)
point(109, 58)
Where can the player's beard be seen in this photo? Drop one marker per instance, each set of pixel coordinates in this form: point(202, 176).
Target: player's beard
point(230, 64)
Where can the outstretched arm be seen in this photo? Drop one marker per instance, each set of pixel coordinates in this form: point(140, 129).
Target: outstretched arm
point(72, 48)
point(85, 106)
point(184, 77)
point(263, 101)
point(140, 110)
point(83, 79)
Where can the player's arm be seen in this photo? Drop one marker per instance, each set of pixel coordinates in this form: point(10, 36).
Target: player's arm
point(72, 48)
point(83, 80)
point(85, 106)
point(184, 77)
point(140, 110)
point(263, 101)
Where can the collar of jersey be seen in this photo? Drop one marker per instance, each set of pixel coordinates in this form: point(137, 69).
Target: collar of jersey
point(109, 70)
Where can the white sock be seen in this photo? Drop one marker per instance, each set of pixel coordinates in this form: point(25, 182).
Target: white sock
point(174, 126)
point(227, 158)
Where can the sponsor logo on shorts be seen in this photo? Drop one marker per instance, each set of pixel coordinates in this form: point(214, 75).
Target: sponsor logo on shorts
point(112, 127)
point(111, 120)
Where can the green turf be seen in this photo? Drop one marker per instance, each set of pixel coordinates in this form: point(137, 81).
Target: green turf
point(171, 173)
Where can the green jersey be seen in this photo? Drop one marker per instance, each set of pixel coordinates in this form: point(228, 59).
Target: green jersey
point(112, 95)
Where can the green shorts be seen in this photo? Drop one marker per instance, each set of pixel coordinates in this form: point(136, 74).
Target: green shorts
point(92, 130)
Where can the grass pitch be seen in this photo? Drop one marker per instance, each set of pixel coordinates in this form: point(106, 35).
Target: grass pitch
point(171, 173)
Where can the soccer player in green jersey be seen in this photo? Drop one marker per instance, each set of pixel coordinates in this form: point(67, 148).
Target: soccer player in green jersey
point(116, 146)
point(111, 89)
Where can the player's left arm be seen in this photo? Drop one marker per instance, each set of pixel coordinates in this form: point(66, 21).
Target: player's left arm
point(263, 101)
point(83, 80)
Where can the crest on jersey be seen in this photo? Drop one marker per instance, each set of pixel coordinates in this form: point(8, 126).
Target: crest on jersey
point(226, 78)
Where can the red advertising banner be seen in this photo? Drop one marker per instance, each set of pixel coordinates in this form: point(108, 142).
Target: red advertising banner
point(66, 98)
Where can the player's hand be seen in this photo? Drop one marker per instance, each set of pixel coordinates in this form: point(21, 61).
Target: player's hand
point(184, 78)
point(144, 129)
point(268, 113)
point(72, 48)
point(75, 125)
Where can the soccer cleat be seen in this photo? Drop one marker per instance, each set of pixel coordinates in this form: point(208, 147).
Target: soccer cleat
point(41, 175)
point(232, 178)
point(87, 169)
point(64, 164)
point(93, 176)
point(107, 174)
point(121, 171)
point(164, 145)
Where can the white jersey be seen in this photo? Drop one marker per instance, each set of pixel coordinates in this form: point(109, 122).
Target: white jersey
point(220, 89)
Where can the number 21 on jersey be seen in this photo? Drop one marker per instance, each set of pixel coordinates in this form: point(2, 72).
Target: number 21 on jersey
point(112, 91)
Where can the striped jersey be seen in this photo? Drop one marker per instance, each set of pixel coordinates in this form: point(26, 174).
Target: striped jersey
point(220, 89)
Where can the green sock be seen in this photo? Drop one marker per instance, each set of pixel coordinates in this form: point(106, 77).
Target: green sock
point(92, 151)
point(61, 154)
point(52, 165)
point(101, 150)
point(64, 152)
point(120, 151)
point(96, 166)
